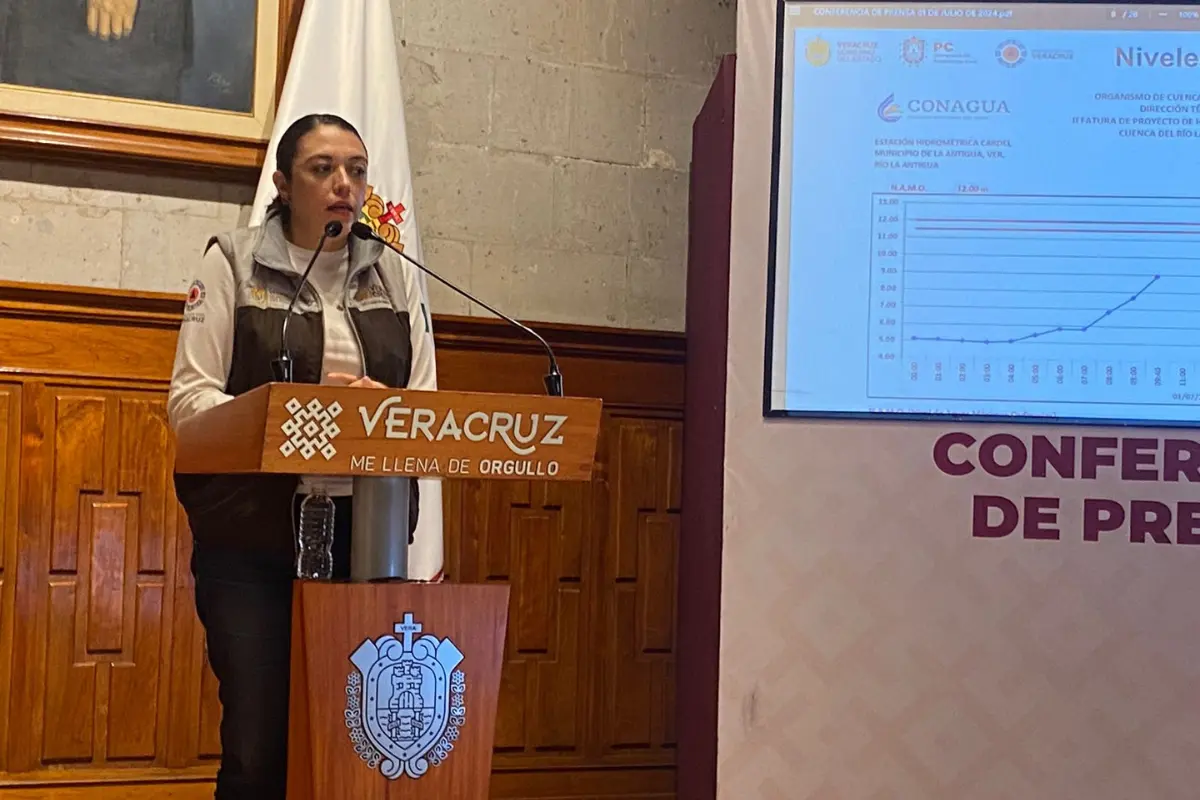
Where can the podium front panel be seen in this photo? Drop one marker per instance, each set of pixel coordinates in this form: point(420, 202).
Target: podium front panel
point(338, 431)
point(394, 689)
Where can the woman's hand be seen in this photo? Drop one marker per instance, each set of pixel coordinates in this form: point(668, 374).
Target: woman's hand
point(345, 379)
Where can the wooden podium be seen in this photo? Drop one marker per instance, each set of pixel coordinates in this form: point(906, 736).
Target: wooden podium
point(394, 683)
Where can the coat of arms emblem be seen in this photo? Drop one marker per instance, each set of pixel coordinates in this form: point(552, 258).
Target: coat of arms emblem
point(817, 52)
point(405, 701)
point(912, 50)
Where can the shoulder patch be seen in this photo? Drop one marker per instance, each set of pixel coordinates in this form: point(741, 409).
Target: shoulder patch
point(195, 294)
point(193, 303)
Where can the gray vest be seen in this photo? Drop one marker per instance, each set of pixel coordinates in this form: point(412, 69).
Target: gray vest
point(265, 280)
point(253, 513)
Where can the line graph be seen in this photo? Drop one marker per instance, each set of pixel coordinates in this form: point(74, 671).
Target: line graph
point(1036, 297)
point(1057, 329)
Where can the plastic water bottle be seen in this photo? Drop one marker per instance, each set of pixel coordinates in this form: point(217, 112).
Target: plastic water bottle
point(315, 558)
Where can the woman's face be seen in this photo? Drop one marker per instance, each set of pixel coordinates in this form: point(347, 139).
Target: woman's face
point(329, 182)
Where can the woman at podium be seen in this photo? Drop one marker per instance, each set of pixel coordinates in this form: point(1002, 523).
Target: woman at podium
point(359, 320)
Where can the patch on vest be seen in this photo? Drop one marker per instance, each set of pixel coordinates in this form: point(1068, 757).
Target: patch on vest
point(195, 295)
point(195, 299)
point(370, 290)
point(262, 297)
point(259, 296)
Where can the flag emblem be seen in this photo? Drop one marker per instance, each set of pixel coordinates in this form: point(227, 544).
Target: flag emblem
point(384, 217)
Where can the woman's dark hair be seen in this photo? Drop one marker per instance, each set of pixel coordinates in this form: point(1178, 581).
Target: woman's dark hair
point(285, 153)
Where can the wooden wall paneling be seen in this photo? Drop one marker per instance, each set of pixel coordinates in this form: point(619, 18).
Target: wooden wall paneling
point(531, 535)
point(35, 501)
point(637, 643)
point(158, 790)
point(642, 370)
point(631, 784)
point(98, 532)
point(194, 706)
point(584, 784)
point(111, 690)
point(144, 449)
point(86, 353)
point(10, 441)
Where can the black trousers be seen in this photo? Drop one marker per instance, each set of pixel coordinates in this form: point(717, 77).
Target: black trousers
point(245, 607)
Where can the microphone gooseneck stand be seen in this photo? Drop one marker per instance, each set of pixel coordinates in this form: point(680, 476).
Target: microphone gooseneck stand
point(380, 504)
point(553, 379)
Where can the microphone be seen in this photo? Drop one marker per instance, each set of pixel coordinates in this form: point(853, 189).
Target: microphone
point(553, 379)
point(282, 366)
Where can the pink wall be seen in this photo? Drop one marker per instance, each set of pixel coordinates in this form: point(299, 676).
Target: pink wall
point(872, 646)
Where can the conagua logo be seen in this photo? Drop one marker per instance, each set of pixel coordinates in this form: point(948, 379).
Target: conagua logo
point(310, 429)
point(405, 702)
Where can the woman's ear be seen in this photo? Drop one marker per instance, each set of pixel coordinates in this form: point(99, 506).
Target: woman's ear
point(281, 185)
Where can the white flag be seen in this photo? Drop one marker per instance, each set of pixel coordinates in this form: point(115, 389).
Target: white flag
point(344, 62)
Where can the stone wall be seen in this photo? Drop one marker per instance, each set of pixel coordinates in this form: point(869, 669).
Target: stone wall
point(550, 142)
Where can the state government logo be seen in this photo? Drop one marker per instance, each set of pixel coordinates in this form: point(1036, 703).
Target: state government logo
point(405, 701)
point(310, 428)
point(817, 52)
point(912, 50)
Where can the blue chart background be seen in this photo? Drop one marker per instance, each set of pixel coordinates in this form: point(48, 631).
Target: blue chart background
point(1068, 230)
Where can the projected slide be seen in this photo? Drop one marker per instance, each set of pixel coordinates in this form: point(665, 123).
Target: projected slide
point(988, 210)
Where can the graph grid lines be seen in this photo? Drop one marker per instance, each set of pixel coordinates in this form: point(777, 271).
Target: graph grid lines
point(1006, 296)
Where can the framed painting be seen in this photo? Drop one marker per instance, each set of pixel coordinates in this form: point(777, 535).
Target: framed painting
point(186, 84)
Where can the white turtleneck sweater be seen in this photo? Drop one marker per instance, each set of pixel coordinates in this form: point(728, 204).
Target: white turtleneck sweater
point(342, 353)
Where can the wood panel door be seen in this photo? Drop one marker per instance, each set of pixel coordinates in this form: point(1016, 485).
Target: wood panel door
point(99, 571)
